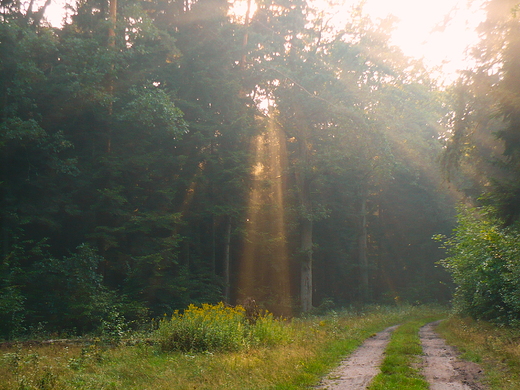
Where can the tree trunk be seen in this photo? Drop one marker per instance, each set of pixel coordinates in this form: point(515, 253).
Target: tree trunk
point(113, 21)
point(302, 181)
point(111, 44)
point(213, 253)
point(306, 265)
point(227, 250)
point(246, 35)
point(362, 249)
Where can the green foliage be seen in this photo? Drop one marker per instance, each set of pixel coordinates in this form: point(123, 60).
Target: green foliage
point(78, 300)
point(153, 109)
point(483, 261)
point(218, 328)
point(125, 168)
point(11, 309)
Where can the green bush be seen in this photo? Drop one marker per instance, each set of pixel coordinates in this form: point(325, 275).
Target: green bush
point(217, 328)
point(484, 261)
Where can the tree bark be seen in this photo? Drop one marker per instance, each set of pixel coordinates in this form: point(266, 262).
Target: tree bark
point(111, 44)
point(246, 35)
point(227, 262)
point(362, 249)
point(213, 253)
point(306, 265)
point(306, 225)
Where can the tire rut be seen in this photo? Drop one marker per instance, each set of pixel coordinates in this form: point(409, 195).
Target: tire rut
point(441, 366)
point(358, 370)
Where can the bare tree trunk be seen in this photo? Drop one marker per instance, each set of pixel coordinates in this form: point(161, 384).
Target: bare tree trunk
point(246, 35)
point(306, 265)
point(227, 250)
point(113, 21)
point(302, 181)
point(38, 15)
point(362, 249)
point(213, 253)
point(112, 44)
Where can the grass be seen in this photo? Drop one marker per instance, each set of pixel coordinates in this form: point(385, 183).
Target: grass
point(400, 367)
point(496, 349)
point(315, 345)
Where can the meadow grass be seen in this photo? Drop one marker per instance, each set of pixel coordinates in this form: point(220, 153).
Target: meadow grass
point(495, 348)
point(400, 368)
point(310, 348)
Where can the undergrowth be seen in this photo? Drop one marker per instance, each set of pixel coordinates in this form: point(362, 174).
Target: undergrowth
point(219, 328)
point(271, 353)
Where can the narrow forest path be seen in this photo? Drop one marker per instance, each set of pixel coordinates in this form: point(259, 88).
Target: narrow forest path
point(356, 372)
point(440, 364)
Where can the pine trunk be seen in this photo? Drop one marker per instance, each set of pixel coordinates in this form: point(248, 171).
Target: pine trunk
point(362, 250)
point(306, 265)
point(227, 262)
point(306, 243)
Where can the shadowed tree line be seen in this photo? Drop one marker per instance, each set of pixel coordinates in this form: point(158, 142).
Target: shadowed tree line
point(130, 158)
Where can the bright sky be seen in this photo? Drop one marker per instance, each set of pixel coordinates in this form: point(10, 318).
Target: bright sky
point(414, 31)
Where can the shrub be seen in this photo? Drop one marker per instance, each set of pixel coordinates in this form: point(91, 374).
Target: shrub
point(207, 328)
point(217, 328)
point(484, 262)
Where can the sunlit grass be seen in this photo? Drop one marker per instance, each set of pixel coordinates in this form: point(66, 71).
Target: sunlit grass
point(315, 346)
point(496, 349)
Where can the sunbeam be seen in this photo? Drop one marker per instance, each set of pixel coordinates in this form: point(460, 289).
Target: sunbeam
point(264, 266)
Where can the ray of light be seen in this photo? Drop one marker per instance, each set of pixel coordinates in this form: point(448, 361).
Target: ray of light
point(264, 266)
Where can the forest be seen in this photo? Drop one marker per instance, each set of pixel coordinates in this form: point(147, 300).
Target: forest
point(162, 153)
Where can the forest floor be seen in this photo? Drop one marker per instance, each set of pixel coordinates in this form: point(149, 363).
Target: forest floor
point(410, 356)
point(440, 364)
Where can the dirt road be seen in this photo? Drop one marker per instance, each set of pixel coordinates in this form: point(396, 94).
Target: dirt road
point(440, 365)
point(357, 371)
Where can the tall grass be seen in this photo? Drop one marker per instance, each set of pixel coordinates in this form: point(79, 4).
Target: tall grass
point(495, 348)
point(273, 354)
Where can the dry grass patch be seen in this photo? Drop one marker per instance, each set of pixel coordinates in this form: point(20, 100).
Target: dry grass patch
point(496, 349)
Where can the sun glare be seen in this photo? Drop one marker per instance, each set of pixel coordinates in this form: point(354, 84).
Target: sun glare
point(238, 9)
point(437, 32)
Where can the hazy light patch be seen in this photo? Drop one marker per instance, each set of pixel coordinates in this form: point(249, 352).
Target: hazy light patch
point(56, 11)
point(238, 10)
point(437, 32)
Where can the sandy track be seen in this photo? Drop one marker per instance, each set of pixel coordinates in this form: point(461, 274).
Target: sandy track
point(441, 367)
point(356, 372)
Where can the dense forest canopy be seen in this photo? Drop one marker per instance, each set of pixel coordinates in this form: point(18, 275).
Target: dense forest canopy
point(160, 153)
